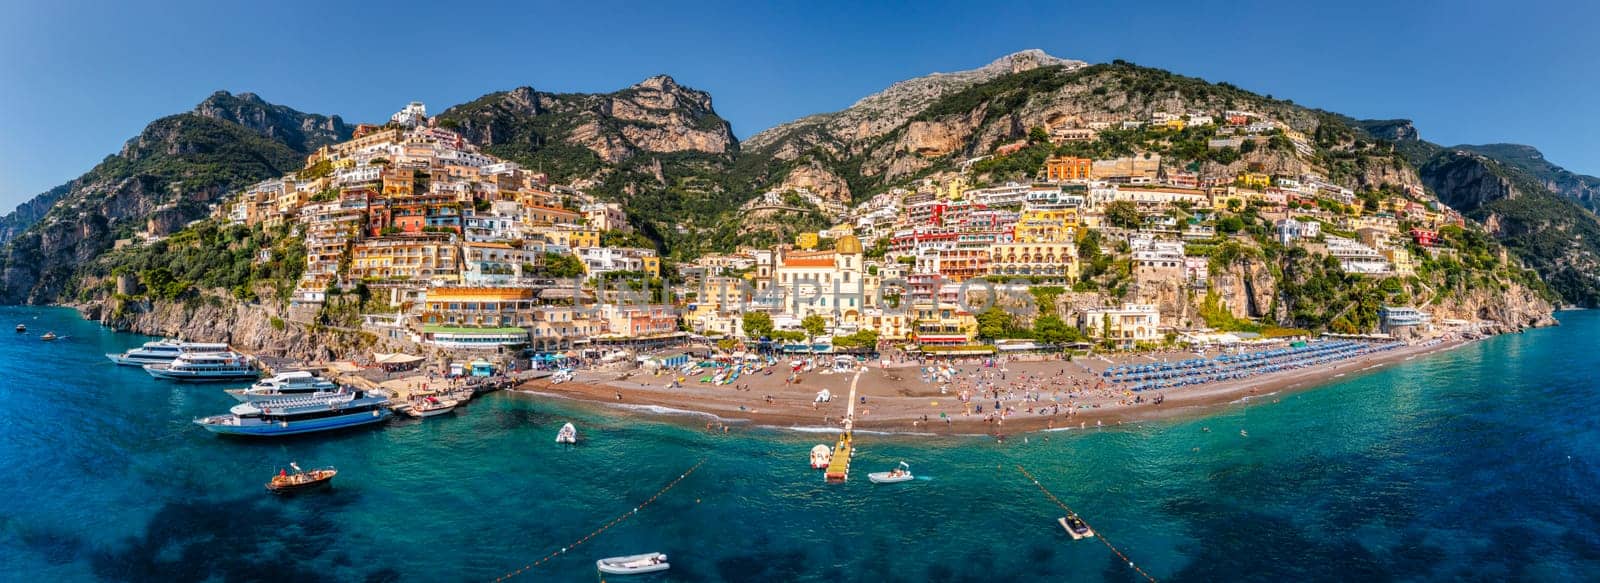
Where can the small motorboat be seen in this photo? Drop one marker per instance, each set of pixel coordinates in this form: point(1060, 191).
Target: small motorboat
point(431, 406)
point(821, 456)
point(48, 336)
point(568, 434)
point(1075, 527)
point(286, 482)
point(633, 564)
point(22, 327)
point(894, 476)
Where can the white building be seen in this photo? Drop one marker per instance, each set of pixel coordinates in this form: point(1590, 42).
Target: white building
point(1011, 193)
point(414, 114)
point(1152, 253)
point(1124, 327)
point(606, 216)
point(602, 260)
point(358, 174)
point(1356, 258)
point(1290, 230)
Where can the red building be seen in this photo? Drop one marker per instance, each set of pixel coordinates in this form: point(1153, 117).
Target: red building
point(1424, 237)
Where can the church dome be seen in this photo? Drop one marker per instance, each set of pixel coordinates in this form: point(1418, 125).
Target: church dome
point(848, 245)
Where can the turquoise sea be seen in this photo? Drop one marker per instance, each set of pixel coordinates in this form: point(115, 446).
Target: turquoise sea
point(1478, 463)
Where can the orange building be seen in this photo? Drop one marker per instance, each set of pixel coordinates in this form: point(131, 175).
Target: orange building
point(1064, 168)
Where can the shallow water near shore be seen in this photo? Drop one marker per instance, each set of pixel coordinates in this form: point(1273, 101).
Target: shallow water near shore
point(1481, 462)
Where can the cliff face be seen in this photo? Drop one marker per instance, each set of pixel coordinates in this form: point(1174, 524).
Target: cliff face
point(1465, 181)
point(1511, 308)
point(161, 179)
point(1579, 188)
point(257, 329)
point(26, 214)
point(301, 132)
point(1554, 235)
point(655, 116)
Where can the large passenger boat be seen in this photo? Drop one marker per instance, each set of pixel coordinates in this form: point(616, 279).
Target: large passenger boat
point(299, 416)
point(199, 367)
point(164, 351)
point(286, 385)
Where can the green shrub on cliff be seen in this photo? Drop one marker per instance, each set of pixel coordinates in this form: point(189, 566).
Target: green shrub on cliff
point(207, 255)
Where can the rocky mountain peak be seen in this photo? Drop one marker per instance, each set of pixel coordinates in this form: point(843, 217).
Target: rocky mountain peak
point(659, 83)
point(303, 132)
point(1394, 130)
point(1026, 60)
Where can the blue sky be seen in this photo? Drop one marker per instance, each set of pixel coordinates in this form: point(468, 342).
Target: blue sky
point(78, 78)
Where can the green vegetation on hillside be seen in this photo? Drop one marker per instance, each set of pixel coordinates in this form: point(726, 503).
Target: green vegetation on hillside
point(206, 256)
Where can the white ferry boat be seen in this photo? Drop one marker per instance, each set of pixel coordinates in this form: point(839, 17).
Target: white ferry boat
point(286, 386)
point(198, 367)
point(164, 351)
point(298, 416)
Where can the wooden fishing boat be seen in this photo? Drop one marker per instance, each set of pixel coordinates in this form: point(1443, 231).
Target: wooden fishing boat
point(286, 482)
point(633, 564)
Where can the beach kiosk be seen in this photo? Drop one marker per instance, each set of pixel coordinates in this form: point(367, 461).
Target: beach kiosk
point(666, 362)
point(481, 368)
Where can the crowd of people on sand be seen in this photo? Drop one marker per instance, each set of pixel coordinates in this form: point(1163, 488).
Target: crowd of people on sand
point(988, 388)
point(1003, 387)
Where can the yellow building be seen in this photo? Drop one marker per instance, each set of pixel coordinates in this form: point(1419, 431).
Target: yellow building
point(406, 258)
point(1056, 260)
point(1222, 197)
point(806, 241)
point(572, 239)
point(478, 307)
point(956, 187)
point(1175, 124)
point(1254, 180)
point(1047, 226)
point(943, 324)
point(1400, 259)
point(399, 182)
point(535, 215)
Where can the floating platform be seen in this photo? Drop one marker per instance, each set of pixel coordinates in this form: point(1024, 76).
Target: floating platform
point(1074, 534)
point(839, 466)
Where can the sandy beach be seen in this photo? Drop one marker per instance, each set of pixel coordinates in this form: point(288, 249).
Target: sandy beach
point(897, 400)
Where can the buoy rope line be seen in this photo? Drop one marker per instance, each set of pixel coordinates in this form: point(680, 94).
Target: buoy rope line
point(1097, 534)
point(607, 526)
